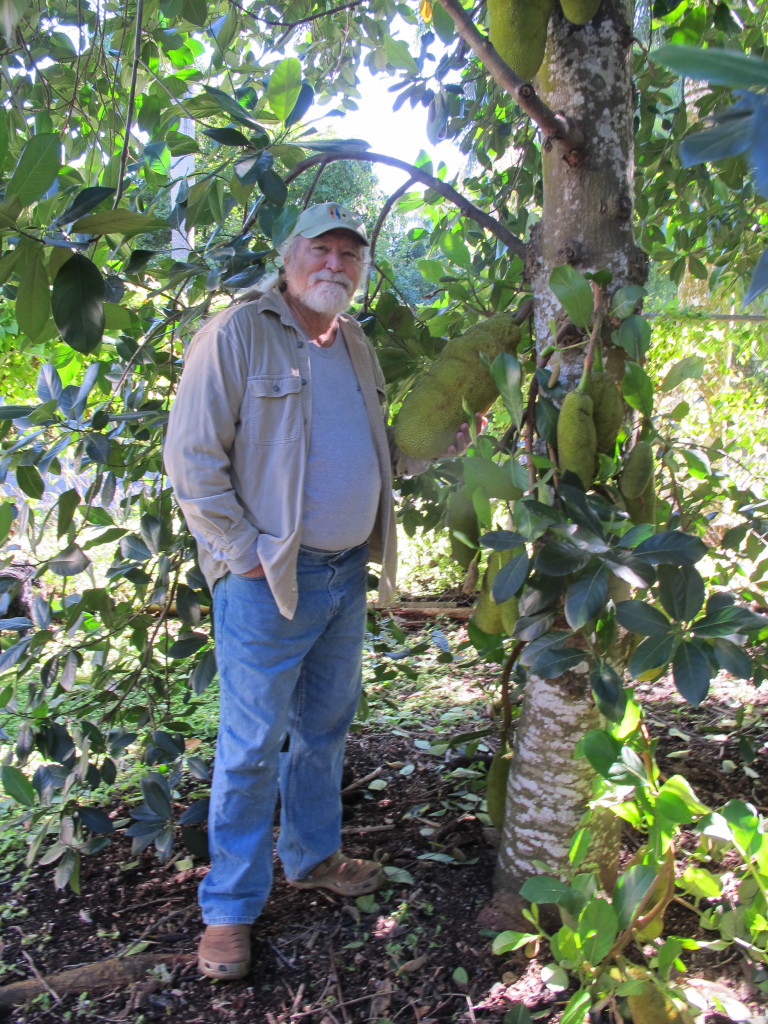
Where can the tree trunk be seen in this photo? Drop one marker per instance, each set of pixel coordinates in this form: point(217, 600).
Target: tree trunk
point(586, 222)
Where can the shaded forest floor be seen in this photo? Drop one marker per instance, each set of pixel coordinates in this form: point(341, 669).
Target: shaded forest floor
point(409, 954)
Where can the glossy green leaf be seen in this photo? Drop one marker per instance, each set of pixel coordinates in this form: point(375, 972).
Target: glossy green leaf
point(689, 368)
point(77, 302)
point(654, 653)
point(637, 388)
point(69, 562)
point(67, 504)
point(574, 293)
point(544, 889)
point(30, 482)
point(37, 168)
point(692, 672)
point(631, 890)
point(17, 786)
point(672, 548)
point(601, 750)
point(228, 136)
point(510, 578)
point(598, 928)
point(717, 66)
point(640, 617)
point(118, 222)
point(284, 87)
point(681, 591)
point(85, 201)
point(33, 302)
point(587, 595)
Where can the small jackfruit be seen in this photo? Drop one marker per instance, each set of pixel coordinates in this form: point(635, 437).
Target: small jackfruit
point(579, 12)
point(607, 410)
point(576, 437)
point(518, 31)
point(653, 1007)
point(434, 409)
point(489, 616)
point(637, 471)
point(496, 786)
point(460, 517)
point(642, 509)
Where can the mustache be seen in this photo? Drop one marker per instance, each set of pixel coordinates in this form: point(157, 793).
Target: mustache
point(329, 277)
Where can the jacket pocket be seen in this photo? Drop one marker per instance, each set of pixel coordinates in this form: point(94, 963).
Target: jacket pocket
point(274, 411)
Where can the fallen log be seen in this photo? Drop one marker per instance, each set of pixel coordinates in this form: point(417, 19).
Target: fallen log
point(98, 977)
point(414, 608)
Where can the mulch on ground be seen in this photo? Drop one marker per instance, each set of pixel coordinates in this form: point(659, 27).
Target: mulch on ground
point(410, 953)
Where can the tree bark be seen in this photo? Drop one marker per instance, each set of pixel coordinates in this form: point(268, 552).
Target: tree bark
point(587, 223)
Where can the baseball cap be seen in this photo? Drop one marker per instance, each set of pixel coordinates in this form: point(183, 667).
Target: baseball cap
point(316, 220)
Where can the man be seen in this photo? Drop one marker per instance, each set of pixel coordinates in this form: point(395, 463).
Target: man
point(281, 462)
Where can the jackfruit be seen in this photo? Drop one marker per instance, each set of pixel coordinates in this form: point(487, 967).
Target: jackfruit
point(460, 517)
point(607, 410)
point(433, 411)
point(577, 438)
point(518, 31)
point(637, 471)
point(579, 12)
point(489, 616)
point(496, 786)
point(653, 1007)
point(642, 509)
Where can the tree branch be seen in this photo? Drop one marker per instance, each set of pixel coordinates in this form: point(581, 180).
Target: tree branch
point(131, 103)
point(513, 243)
point(556, 127)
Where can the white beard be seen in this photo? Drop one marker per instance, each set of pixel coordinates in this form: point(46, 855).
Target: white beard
point(328, 297)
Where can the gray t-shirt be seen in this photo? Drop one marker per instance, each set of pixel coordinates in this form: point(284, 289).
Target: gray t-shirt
point(343, 483)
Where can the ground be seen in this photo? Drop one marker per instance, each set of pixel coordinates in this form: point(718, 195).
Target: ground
point(411, 953)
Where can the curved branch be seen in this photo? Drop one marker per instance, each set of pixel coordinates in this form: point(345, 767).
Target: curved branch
point(556, 127)
point(515, 244)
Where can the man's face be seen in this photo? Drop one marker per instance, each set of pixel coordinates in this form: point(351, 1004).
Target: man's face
point(323, 273)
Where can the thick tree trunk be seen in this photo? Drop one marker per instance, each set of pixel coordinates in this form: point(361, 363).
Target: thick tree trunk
point(586, 222)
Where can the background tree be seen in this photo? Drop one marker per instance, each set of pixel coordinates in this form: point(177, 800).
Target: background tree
point(556, 206)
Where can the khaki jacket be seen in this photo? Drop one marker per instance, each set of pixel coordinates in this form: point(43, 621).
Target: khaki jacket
point(237, 443)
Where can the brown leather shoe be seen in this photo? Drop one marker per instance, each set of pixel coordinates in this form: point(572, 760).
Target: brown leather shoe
point(225, 951)
point(344, 875)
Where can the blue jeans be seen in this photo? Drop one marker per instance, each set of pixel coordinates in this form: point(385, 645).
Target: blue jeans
point(298, 677)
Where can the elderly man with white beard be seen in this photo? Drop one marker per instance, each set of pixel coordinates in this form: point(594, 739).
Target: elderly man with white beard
point(282, 464)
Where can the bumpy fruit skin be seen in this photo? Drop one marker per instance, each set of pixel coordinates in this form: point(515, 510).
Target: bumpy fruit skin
point(579, 12)
point(577, 438)
point(637, 471)
point(642, 509)
point(460, 516)
point(652, 1007)
point(496, 787)
point(518, 31)
point(433, 410)
point(607, 410)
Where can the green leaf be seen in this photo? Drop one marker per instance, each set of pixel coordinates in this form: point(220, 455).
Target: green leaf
point(304, 101)
point(677, 802)
point(507, 374)
point(511, 577)
point(691, 671)
point(719, 67)
point(7, 516)
point(187, 645)
point(77, 302)
point(576, 1008)
point(228, 136)
point(17, 786)
point(552, 662)
point(721, 622)
point(689, 368)
point(455, 248)
point(642, 618)
point(490, 478)
point(83, 203)
point(681, 590)
point(118, 222)
point(33, 301)
point(284, 87)
point(637, 388)
point(67, 503)
point(652, 654)
point(202, 674)
point(598, 927)
point(69, 562)
point(630, 891)
point(601, 750)
point(154, 789)
point(508, 942)
point(634, 336)
point(545, 889)
point(36, 170)
point(729, 656)
point(625, 300)
point(672, 547)
point(29, 480)
point(574, 293)
point(586, 596)
point(230, 105)
point(195, 12)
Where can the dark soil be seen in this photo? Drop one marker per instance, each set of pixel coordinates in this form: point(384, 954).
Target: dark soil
point(412, 953)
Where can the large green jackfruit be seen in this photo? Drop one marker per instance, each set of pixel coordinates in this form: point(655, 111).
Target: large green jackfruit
point(579, 12)
point(434, 410)
point(460, 517)
point(518, 31)
point(577, 438)
point(652, 1007)
point(607, 410)
point(637, 470)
